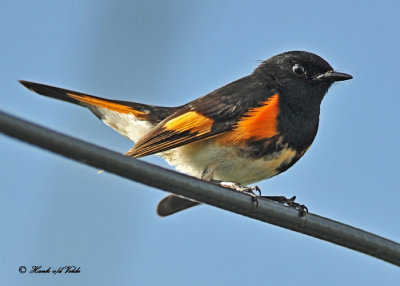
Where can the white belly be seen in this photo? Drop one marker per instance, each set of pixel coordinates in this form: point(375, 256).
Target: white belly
point(225, 163)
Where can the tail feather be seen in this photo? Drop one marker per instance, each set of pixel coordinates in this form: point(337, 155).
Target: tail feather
point(142, 111)
point(49, 91)
point(131, 119)
point(172, 204)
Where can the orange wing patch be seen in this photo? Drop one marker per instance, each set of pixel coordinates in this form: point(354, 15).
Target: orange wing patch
point(108, 105)
point(257, 124)
point(191, 121)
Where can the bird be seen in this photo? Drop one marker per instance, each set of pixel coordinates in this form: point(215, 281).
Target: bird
point(246, 131)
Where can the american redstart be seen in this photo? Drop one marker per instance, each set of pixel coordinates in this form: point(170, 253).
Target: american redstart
point(246, 131)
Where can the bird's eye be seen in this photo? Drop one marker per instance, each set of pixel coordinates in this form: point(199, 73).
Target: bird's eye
point(298, 69)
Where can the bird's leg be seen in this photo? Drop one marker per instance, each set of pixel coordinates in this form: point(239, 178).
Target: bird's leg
point(240, 188)
point(251, 191)
point(207, 175)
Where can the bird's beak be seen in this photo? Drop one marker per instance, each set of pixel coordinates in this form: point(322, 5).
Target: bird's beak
point(334, 76)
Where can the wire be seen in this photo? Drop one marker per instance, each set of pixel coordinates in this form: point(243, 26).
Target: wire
point(180, 184)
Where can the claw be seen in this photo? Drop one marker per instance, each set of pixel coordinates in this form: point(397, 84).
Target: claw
point(257, 189)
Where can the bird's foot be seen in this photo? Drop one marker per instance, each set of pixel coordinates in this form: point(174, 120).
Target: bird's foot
point(243, 189)
point(288, 202)
point(251, 191)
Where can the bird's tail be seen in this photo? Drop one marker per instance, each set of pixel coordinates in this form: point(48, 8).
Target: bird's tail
point(131, 119)
point(172, 204)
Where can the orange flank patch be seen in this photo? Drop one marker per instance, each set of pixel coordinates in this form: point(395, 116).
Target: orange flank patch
point(108, 105)
point(191, 121)
point(257, 124)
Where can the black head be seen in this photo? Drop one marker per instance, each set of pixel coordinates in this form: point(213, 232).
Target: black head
point(301, 75)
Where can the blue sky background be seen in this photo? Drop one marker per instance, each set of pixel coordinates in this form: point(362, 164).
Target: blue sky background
point(56, 212)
